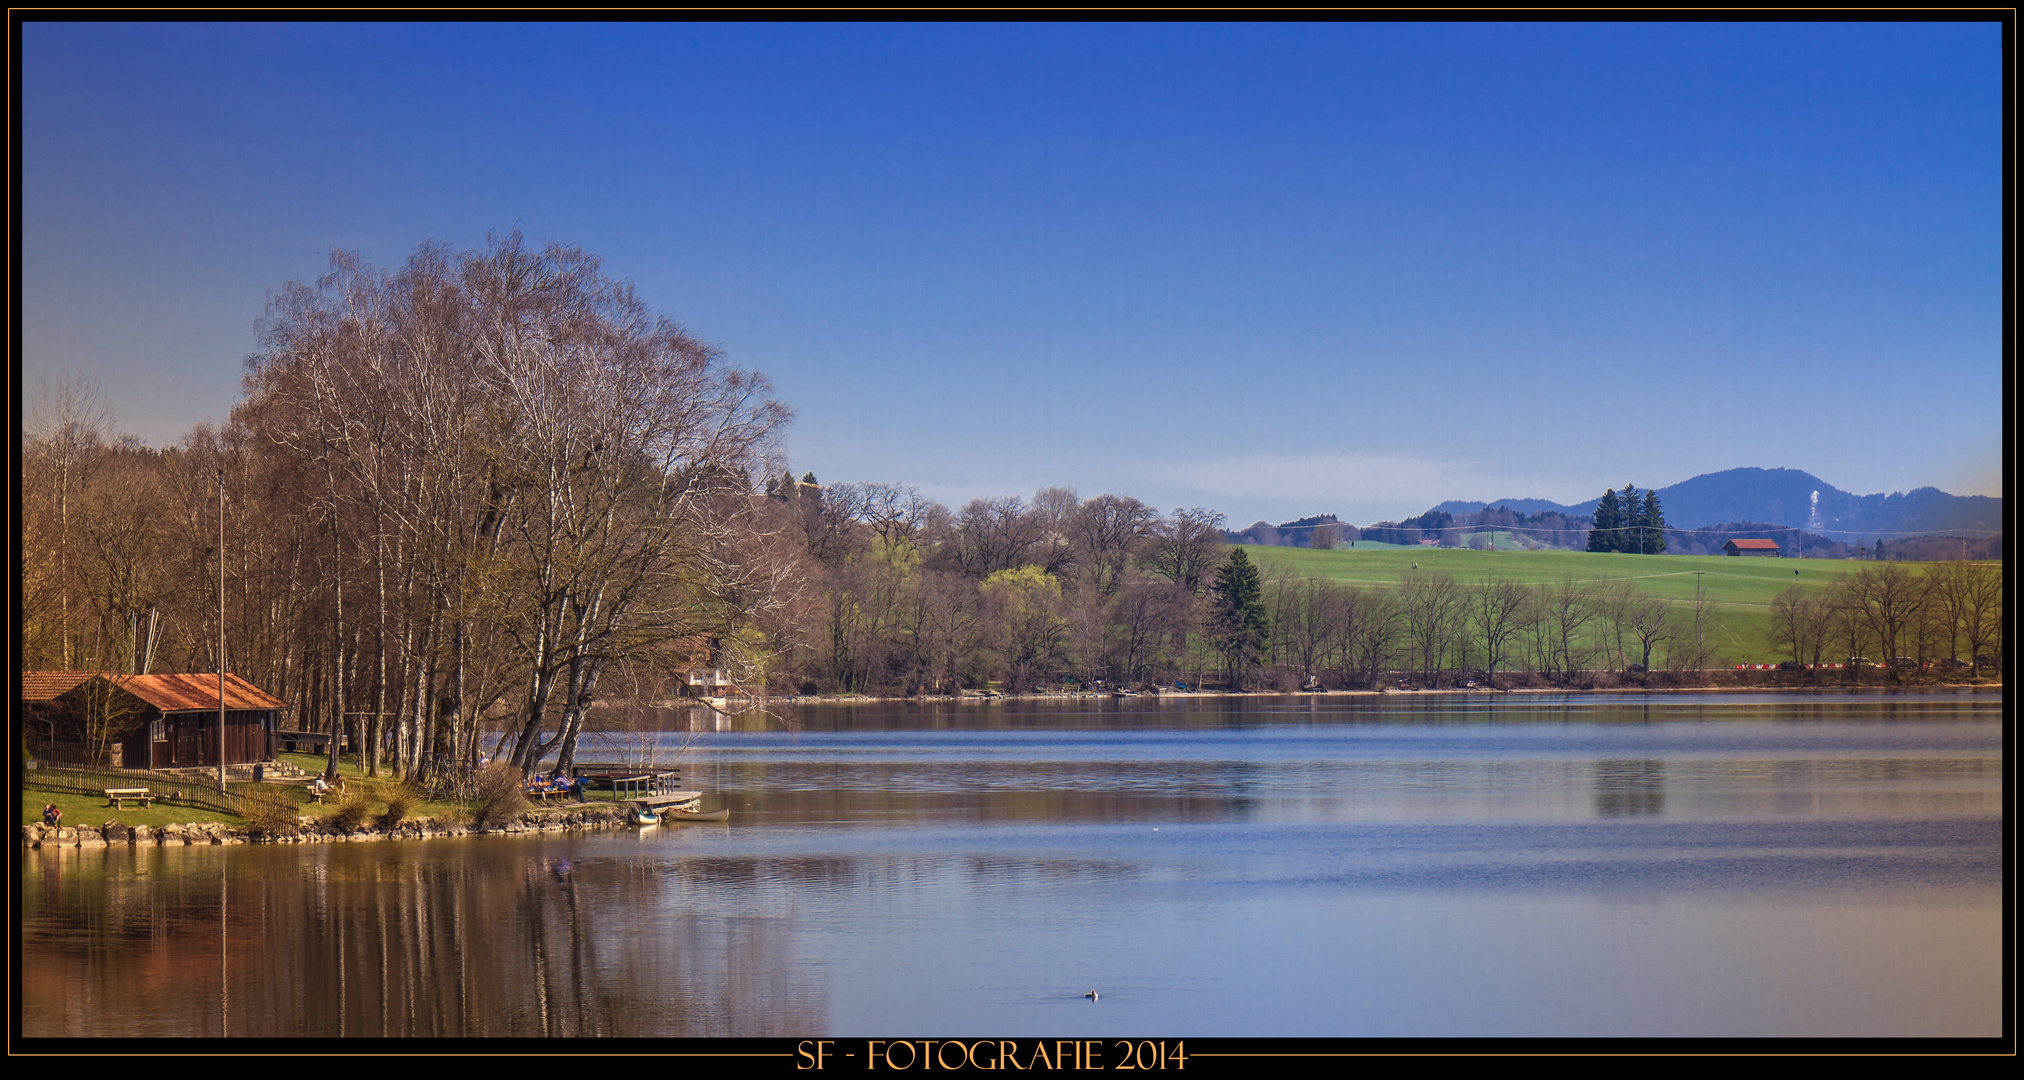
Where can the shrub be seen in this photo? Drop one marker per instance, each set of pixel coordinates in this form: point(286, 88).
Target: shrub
point(268, 810)
point(400, 799)
point(352, 811)
point(499, 795)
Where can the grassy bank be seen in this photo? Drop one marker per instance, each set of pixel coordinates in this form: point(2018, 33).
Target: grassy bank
point(1742, 588)
point(88, 807)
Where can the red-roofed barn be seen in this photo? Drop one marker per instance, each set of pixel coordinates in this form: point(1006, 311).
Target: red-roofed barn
point(1753, 547)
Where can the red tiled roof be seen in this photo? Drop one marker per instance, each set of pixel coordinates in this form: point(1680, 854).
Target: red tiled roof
point(169, 693)
point(185, 693)
point(1756, 545)
point(50, 685)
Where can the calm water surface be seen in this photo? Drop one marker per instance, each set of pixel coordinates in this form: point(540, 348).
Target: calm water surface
point(1719, 865)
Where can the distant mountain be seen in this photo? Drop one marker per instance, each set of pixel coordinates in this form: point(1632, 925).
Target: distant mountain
point(1460, 507)
point(1793, 498)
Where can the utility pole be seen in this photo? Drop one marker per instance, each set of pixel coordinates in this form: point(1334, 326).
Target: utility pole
point(221, 630)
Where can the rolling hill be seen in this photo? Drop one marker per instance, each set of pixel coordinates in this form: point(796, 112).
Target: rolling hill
point(1794, 498)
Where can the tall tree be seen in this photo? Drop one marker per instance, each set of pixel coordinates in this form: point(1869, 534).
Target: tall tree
point(1607, 535)
point(1434, 608)
point(1892, 599)
point(1242, 630)
point(1500, 611)
point(524, 475)
point(1651, 524)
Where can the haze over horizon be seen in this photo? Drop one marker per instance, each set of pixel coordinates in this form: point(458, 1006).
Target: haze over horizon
point(1274, 270)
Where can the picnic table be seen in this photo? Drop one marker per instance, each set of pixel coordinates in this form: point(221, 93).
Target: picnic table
point(117, 797)
point(545, 789)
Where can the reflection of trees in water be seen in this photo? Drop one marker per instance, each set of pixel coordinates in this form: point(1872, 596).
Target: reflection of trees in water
point(496, 937)
point(1043, 792)
point(1630, 788)
point(127, 941)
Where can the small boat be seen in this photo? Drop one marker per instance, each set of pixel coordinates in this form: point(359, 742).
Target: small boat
point(671, 816)
point(645, 816)
point(676, 806)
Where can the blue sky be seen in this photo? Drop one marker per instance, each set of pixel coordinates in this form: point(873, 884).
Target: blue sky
point(1277, 270)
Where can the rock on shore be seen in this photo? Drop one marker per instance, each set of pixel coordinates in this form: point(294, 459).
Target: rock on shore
point(310, 830)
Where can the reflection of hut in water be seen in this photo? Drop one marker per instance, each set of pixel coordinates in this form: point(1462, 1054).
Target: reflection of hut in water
point(1630, 788)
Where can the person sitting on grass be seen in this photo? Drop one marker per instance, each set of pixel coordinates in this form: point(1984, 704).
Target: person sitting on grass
point(51, 815)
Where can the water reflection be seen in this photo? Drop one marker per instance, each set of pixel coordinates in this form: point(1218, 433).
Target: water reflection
point(1507, 867)
point(1630, 788)
point(506, 938)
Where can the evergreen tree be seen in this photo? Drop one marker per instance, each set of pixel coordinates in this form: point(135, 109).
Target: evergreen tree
point(1241, 628)
point(1653, 520)
point(1630, 507)
point(1608, 520)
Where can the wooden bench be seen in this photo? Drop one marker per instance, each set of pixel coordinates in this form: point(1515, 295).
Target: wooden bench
point(117, 797)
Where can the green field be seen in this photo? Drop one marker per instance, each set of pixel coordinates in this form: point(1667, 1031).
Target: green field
point(1742, 588)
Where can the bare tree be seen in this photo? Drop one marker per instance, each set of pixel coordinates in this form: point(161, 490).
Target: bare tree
point(1309, 624)
point(1892, 598)
point(1031, 629)
point(1968, 598)
point(1432, 603)
point(1500, 610)
point(1849, 625)
point(63, 441)
point(1649, 622)
point(1613, 600)
point(1690, 649)
point(1374, 626)
point(1982, 622)
point(109, 715)
point(1108, 533)
point(1187, 548)
point(538, 476)
point(1566, 607)
point(895, 512)
point(993, 535)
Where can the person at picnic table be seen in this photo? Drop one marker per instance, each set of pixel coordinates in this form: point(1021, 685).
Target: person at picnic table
point(318, 787)
point(50, 814)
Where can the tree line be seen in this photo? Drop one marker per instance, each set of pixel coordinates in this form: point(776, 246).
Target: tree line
point(470, 499)
point(1626, 522)
point(489, 487)
point(1885, 613)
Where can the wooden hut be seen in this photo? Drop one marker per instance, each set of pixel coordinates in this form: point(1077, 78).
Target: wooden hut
point(157, 721)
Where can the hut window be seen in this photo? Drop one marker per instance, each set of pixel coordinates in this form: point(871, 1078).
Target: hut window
point(155, 729)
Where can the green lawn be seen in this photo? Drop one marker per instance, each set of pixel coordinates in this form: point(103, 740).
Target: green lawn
point(1741, 587)
point(91, 810)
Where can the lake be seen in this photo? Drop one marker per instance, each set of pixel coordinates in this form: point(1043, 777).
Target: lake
point(1729, 865)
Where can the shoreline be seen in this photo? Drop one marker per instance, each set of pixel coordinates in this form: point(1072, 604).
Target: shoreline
point(757, 704)
point(310, 830)
point(316, 830)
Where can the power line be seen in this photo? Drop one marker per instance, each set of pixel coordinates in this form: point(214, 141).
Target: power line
point(1944, 532)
